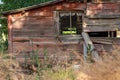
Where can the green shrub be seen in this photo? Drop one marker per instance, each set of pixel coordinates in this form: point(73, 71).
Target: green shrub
point(3, 36)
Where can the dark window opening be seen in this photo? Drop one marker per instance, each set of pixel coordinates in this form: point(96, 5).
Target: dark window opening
point(70, 23)
point(89, 0)
point(102, 34)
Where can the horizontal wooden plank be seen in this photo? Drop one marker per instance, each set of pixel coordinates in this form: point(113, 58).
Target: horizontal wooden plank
point(30, 23)
point(101, 21)
point(101, 28)
point(38, 20)
point(31, 30)
point(18, 47)
point(33, 24)
point(103, 6)
point(104, 15)
point(42, 13)
point(103, 10)
point(23, 18)
point(33, 20)
point(55, 48)
point(44, 43)
point(34, 39)
point(105, 1)
point(33, 33)
point(102, 41)
point(34, 27)
point(113, 40)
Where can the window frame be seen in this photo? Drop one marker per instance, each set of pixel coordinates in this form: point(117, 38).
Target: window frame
point(62, 37)
point(68, 11)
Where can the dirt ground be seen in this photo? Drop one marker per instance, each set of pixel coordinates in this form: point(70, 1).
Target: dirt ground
point(10, 70)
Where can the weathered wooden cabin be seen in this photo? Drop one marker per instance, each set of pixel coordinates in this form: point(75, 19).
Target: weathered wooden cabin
point(57, 25)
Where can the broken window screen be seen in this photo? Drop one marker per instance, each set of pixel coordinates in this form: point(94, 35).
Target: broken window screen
point(70, 23)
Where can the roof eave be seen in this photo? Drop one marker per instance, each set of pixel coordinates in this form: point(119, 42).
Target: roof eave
point(30, 7)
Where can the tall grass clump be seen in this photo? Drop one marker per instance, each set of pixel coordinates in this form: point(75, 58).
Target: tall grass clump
point(106, 69)
point(59, 74)
point(47, 67)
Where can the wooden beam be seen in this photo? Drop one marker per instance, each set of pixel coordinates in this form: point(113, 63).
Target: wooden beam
point(104, 16)
point(89, 44)
point(84, 51)
point(10, 46)
point(109, 22)
point(102, 28)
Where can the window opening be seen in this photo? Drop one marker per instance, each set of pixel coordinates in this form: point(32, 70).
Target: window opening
point(89, 0)
point(102, 34)
point(70, 23)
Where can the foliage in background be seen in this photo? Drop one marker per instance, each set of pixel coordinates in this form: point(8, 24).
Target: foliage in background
point(3, 36)
point(11, 5)
point(15, 4)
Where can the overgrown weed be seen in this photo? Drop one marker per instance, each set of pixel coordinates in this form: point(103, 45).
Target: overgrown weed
point(106, 69)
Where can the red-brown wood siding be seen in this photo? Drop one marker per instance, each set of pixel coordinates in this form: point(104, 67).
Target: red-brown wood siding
point(102, 17)
point(36, 29)
point(10, 46)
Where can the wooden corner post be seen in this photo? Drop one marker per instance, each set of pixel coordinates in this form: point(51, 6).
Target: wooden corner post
point(10, 46)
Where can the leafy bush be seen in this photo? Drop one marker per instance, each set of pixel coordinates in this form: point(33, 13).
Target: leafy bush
point(16, 4)
point(3, 36)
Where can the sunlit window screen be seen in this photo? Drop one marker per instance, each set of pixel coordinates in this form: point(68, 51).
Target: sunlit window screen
point(70, 23)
